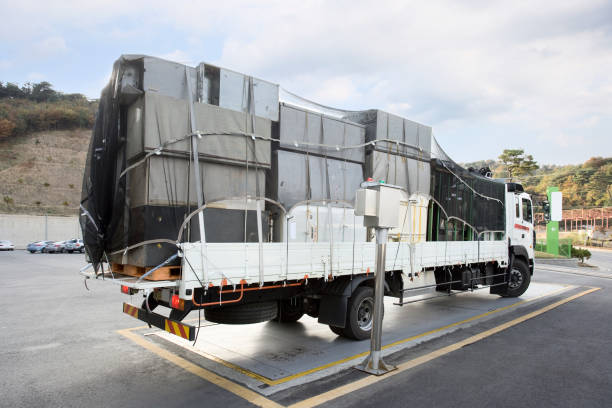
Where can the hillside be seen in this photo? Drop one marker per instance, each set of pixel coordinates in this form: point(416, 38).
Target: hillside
point(42, 172)
point(583, 185)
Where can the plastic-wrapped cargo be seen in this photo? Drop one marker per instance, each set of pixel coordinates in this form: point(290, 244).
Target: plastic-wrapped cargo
point(155, 120)
point(386, 129)
point(399, 151)
point(139, 183)
point(466, 203)
point(303, 130)
point(140, 180)
point(298, 177)
point(230, 89)
point(211, 84)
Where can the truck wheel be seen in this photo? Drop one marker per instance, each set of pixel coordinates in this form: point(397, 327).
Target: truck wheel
point(288, 313)
point(243, 314)
point(360, 314)
point(518, 279)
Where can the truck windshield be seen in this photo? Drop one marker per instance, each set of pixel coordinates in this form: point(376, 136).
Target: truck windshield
point(527, 210)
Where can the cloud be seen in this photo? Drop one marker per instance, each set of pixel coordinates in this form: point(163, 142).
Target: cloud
point(487, 72)
point(179, 56)
point(49, 47)
point(36, 76)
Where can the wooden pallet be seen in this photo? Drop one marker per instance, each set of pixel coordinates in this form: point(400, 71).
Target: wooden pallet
point(163, 273)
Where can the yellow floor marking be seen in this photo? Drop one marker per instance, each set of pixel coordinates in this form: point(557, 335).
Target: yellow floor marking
point(269, 381)
point(346, 389)
point(243, 392)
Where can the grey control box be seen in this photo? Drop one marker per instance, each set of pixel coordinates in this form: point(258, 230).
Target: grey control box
point(379, 204)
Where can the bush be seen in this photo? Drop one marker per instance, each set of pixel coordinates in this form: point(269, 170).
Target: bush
point(6, 128)
point(22, 116)
point(581, 253)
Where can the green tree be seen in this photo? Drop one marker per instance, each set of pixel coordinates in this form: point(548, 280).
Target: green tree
point(43, 92)
point(528, 166)
point(516, 163)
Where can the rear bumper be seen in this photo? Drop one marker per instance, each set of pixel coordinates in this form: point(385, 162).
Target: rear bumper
point(171, 326)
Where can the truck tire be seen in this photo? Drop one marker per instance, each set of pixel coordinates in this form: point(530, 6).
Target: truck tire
point(288, 313)
point(360, 314)
point(518, 279)
point(243, 314)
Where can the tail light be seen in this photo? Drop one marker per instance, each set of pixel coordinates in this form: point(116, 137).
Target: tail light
point(177, 303)
point(128, 290)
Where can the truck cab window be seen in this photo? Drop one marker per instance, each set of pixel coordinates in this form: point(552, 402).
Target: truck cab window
point(527, 210)
point(516, 202)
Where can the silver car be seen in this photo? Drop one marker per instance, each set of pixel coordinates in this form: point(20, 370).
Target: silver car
point(56, 247)
point(6, 246)
point(38, 246)
point(74, 245)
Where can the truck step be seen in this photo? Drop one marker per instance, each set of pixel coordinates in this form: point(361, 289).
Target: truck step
point(163, 273)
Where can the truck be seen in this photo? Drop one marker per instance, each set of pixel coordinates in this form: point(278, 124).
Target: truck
point(213, 191)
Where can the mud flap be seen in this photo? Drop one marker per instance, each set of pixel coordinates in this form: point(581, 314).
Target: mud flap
point(332, 310)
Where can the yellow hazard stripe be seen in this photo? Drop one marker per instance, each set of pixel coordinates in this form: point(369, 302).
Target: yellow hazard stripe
point(131, 310)
point(177, 329)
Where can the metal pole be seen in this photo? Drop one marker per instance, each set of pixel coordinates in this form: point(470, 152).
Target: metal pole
point(196, 169)
point(374, 363)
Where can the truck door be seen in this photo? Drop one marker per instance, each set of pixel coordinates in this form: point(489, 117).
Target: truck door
point(523, 223)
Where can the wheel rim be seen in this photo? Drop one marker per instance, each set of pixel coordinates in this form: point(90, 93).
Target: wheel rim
point(516, 279)
point(365, 312)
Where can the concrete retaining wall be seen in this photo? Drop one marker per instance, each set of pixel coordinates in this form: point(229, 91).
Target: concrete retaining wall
point(23, 229)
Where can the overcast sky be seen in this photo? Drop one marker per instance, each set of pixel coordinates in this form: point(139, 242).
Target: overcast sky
point(486, 76)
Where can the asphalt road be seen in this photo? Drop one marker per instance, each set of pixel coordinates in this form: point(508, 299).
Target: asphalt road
point(601, 258)
point(60, 347)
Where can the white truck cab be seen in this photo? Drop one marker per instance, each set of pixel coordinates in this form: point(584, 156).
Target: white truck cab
point(520, 232)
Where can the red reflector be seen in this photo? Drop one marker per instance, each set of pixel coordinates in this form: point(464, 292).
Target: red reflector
point(370, 179)
point(125, 289)
point(175, 302)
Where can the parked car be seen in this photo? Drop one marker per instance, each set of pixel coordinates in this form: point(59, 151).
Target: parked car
point(75, 245)
point(38, 246)
point(56, 247)
point(6, 246)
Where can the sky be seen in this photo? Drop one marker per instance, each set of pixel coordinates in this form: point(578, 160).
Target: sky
point(485, 75)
